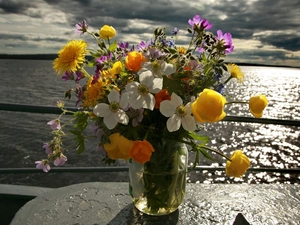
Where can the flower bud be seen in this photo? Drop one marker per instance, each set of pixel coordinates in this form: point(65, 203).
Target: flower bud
point(107, 32)
point(238, 165)
point(257, 104)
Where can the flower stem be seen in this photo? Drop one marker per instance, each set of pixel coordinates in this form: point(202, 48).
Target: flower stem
point(216, 151)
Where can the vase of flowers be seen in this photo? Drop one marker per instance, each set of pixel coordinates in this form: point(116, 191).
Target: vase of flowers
point(157, 187)
point(147, 104)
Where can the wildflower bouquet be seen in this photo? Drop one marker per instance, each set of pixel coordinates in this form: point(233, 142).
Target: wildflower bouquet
point(143, 97)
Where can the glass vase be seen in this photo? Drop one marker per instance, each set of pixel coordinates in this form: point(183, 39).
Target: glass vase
point(158, 186)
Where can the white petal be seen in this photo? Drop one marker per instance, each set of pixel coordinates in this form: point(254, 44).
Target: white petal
point(124, 100)
point(136, 101)
point(156, 85)
point(132, 86)
point(168, 68)
point(167, 108)
point(149, 101)
point(113, 96)
point(146, 78)
point(188, 123)
point(188, 106)
point(122, 117)
point(173, 123)
point(110, 120)
point(176, 100)
point(101, 110)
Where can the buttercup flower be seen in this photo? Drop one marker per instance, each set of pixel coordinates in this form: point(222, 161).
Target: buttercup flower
point(238, 165)
point(209, 106)
point(257, 104)
point(107, 32)
point(134, 60)
point(236, 72)
point(178, 113)
point(140, 93)
point(70, 57)
point(113, 113)
point(141, 151)
point(119, 147)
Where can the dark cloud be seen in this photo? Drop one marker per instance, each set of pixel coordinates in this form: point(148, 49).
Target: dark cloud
point(14, 6)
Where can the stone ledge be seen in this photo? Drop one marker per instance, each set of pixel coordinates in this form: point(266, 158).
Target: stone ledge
point(109, 203)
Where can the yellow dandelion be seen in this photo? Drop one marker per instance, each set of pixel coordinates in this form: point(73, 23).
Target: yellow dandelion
point(236, 72)
point(181, 50)
point(70, 57)
point(93, 92)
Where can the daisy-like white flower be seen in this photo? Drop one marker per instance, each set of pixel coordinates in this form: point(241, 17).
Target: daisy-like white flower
point(178, 114)
point(140, 94)
point(113, 112)
point(159, 68)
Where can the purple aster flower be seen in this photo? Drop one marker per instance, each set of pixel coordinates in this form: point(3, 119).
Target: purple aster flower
point(59, 161)
point(143, 46)
point(123, 45)
point(79, 75)
point(200, 49)
point(68, 76)
point(79, 94)
point(225, 41)
point(175, 31)
point(47, 148)
point(81, 28)
point(54, 124)
point(205, 24)
point(44, 165)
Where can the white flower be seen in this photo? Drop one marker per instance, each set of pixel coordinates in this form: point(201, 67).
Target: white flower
point(158, 68)
point(113, 113)
point(140, 93)
point(178, 113)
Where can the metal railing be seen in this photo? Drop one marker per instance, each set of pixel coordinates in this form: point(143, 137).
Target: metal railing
point(55, 110)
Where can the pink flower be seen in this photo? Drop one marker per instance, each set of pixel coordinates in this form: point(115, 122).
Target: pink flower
point(44, 165)
point(54, 124)
point(59, 161)
point(48, 148)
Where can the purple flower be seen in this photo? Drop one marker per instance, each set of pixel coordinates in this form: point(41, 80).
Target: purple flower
point(47, 148)
point(123, 45)
point(225, 41)
point(143, 46)
point(136, 115)
point(44, 165)
point(81, 28)
point(79, 75)
point(54, 124)
point(59, 161)
point(221, 89)
point(175, 31)
point(68, 76)
point(197, 23)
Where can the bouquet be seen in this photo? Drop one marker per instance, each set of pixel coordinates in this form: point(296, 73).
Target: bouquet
point(147, 95)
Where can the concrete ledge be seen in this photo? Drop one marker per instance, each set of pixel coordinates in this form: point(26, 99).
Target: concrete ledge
point(110, 203)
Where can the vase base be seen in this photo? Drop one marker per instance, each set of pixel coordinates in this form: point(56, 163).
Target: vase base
point(141, 205)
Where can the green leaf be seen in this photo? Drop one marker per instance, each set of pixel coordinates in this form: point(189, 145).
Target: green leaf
point(113, 46)
point(81, 120)
point(200, 138)
point(172, 85)
point(205, 153)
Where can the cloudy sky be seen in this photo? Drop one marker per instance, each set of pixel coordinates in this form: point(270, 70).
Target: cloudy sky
point(264, 31)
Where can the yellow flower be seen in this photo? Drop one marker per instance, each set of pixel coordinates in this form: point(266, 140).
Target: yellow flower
point(119, 147)
point(93, 92)
point(70, 57)
point(238, 165)
point(107, 32)
point(134, 60)
point(257, 104)
point(181, 50)
point(142, 151)
point(117, 67)
point(236, 72)
point(209, 106)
